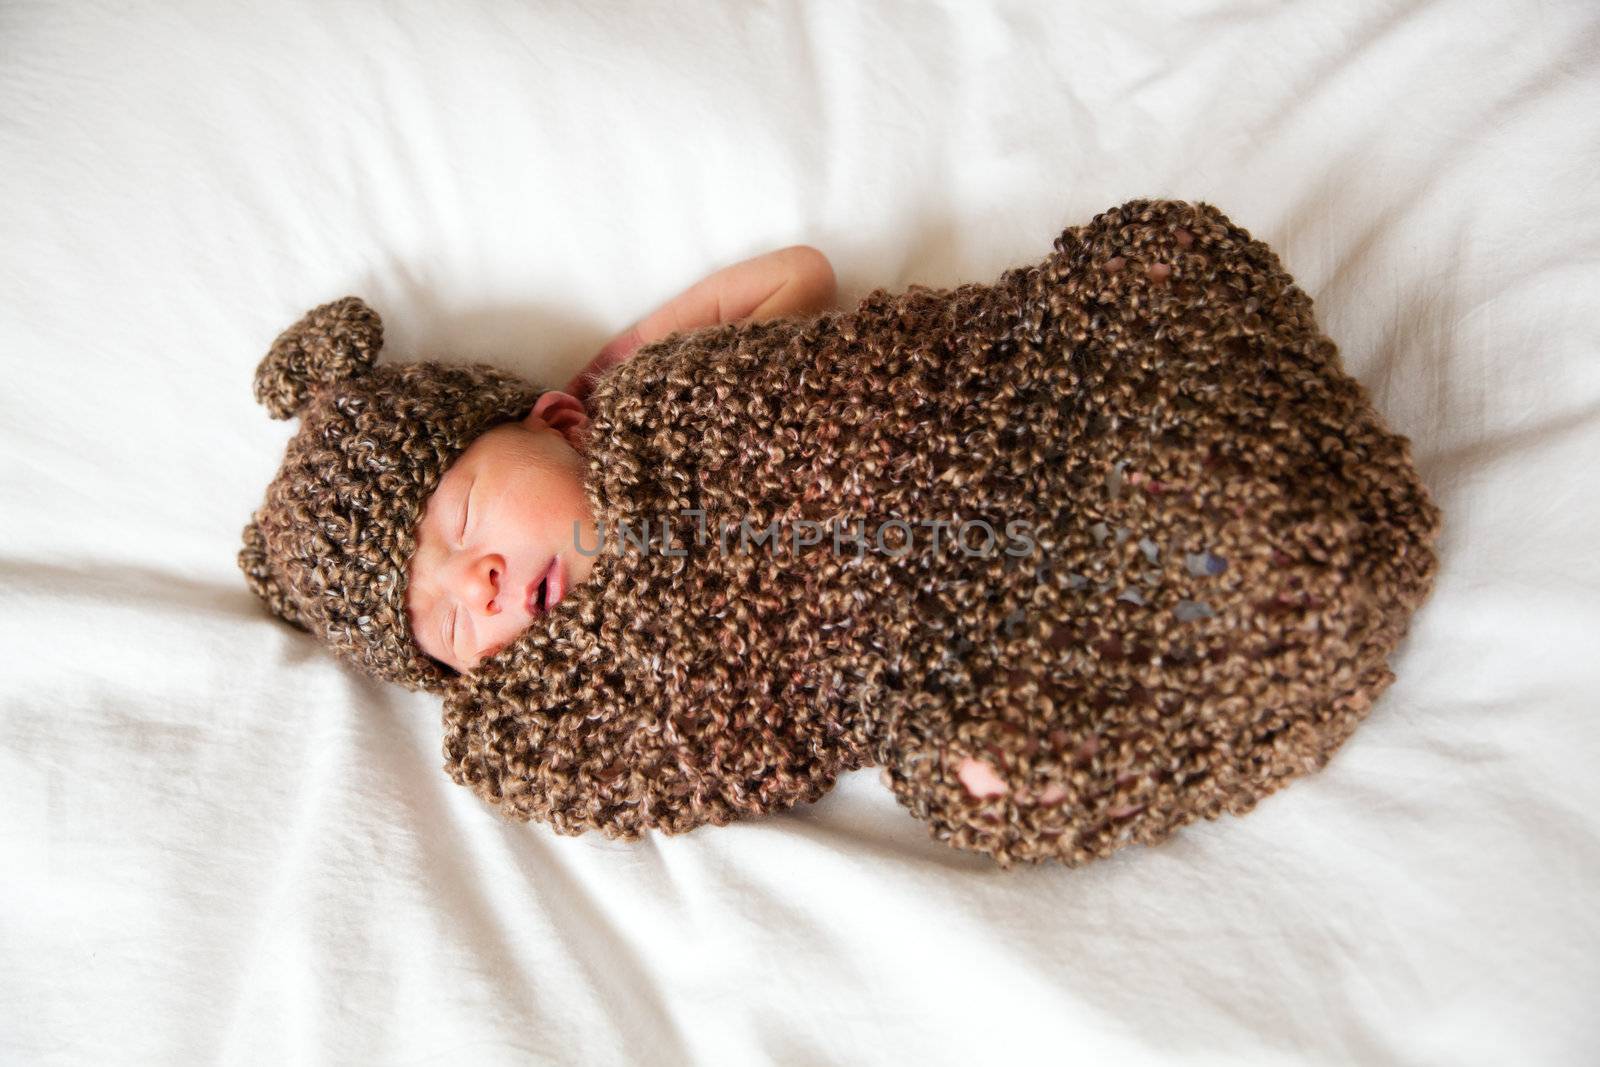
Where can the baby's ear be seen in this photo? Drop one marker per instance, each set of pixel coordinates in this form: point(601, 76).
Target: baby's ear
point(563, 413)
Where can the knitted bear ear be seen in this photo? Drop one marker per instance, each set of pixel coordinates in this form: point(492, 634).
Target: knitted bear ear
point(330, 343)
point(253, 561)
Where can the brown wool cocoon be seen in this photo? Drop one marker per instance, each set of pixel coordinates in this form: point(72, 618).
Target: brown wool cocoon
point(1203, 546)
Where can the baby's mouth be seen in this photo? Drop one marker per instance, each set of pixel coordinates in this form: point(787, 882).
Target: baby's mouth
point(547, 590)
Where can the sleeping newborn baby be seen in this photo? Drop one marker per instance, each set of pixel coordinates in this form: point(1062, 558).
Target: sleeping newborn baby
point(1076, 557)
point(500, 539)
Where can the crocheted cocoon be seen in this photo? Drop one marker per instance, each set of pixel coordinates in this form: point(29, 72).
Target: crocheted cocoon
point(1226, 546)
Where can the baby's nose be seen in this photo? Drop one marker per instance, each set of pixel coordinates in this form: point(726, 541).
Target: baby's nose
point(484, 582)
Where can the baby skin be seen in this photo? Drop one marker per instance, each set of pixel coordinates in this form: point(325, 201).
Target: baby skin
point(496, 543)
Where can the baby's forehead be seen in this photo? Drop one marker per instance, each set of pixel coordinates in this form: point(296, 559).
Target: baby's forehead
point(485, 452)
point(414, 624)
point(496, 448)
point(419, 565)
point(479, 451)
point(489, 446)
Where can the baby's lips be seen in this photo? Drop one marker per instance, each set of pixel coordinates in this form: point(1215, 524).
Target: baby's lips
point(555, 584)
point(553, 578)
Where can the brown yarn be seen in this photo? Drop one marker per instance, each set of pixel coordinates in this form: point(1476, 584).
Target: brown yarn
point(327, 550)
point(1229, 545)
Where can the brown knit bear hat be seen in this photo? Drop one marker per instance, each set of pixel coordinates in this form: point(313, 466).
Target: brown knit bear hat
point(329, 547)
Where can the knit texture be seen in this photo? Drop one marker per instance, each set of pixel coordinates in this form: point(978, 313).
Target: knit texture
point(328, 549)
point(1227, 545)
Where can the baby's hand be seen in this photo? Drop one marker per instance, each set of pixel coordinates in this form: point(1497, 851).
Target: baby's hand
point(982, 781)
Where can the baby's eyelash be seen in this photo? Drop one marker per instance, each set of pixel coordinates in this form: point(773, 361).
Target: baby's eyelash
point(466, 513)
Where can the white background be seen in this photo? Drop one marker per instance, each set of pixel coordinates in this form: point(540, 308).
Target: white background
point(218, 845)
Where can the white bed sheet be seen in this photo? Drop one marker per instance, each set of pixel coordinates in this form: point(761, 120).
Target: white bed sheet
point(216, 844)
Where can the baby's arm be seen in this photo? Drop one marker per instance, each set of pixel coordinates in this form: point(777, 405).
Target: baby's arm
point(797, 280)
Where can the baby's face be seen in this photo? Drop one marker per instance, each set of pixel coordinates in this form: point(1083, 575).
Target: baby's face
point(496, 545)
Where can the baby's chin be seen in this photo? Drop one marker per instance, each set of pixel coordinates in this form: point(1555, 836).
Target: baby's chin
point(527, 644)
point(532, 633)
